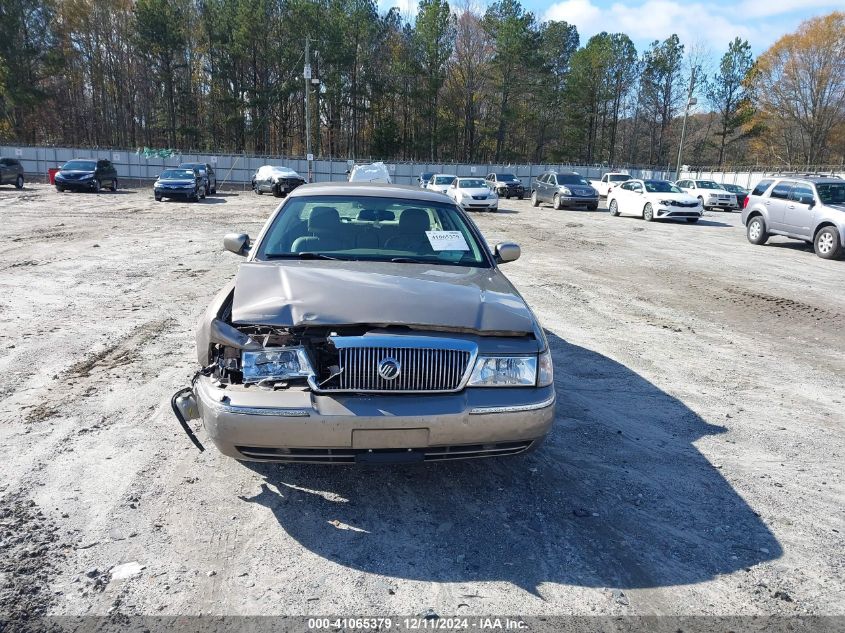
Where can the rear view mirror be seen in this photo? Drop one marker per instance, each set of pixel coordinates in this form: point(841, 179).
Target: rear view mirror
point(237, 243)
point(507, 252)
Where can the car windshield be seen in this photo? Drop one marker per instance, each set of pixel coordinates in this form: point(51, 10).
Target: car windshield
point(426, 176)
point(80, 165)
point(618, 177)
point(171, 174)
point(505, 177)
point(571, 179)
point(708, 184)
point(444, 180)
point(660, 186)
point(831, 192)
point(370, 228)
point(734, 188)
point(471, 183)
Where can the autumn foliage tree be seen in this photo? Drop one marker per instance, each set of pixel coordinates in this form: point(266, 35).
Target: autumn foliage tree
point(801, 94)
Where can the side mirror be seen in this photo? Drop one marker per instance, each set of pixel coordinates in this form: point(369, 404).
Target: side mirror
point(507, 252)
point(237, 243)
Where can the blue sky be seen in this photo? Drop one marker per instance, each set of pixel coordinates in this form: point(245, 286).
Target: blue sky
point(709, 25)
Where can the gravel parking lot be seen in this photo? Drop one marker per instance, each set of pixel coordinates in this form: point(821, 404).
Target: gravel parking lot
point(695, 466)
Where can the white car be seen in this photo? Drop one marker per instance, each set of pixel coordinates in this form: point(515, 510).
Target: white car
point(607, 182)
point(441, 182)
point(473, 194)
point(373, 172)
point(710, 193)
point(653, 200)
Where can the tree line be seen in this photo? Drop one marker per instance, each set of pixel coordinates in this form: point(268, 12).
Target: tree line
point(453, 84)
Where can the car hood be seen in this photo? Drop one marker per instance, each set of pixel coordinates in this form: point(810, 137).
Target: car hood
point(178, 181)
point(76, 172)
point(479, 191)
point(723, 192)
point(327, 293)
point(681, 197)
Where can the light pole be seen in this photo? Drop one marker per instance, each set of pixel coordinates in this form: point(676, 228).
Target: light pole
point(307, 75)
point(691, 101)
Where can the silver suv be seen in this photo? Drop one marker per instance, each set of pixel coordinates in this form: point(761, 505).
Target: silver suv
point(806, 207)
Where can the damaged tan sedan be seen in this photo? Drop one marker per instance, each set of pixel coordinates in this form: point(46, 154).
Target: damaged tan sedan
point(369, 323)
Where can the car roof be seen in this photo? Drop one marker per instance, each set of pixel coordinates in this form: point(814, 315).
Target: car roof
point(810, 179)
point(374, 189)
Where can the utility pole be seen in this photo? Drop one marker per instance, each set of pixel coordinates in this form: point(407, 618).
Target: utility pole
point(307, 74)
point(690, 102)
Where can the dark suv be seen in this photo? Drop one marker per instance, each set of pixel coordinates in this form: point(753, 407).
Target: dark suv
point(207, 172)
point(809, 208)
point(506, 185)
point(11, 172)
point(564, 190)
point(86, 174)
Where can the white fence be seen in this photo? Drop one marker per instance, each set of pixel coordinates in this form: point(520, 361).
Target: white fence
point(236, 170)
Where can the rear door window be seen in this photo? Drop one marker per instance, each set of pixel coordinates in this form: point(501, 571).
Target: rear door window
point(781, 190)
point(801, 194)
point(761, 187)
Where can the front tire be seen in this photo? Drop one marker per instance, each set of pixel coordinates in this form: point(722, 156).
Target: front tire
point(97, 186)
point(534, 201)
point(613, 208)
point(19, 182)
point(277, 191)
point(256, 189)
point(157, 197)
point(556, 203)
point(756, 231)
point(828, 244)
point(113, 185)
point(648, 212)
point(701, 201)
point(60, 189)
point(521, 196)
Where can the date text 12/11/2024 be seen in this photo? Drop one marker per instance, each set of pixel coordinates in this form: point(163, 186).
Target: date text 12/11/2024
point(417, 624)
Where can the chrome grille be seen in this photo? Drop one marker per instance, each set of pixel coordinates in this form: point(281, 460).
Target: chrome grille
point(425, 364)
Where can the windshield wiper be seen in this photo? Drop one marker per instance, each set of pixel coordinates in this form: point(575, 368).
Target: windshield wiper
point(305, 255)
point(409, 260)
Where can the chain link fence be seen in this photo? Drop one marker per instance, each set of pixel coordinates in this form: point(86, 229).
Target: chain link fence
point(234, 171)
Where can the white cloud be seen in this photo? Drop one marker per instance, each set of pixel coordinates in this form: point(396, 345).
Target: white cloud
point(767, 8)
point(658, 19)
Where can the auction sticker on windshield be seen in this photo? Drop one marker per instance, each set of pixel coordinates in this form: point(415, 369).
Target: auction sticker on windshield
point(447, 240)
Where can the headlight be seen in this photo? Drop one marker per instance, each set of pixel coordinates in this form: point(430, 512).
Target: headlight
point(565, 191)
point(283, 363)
point(87, 176)
point(504, 371)
point(665, 202)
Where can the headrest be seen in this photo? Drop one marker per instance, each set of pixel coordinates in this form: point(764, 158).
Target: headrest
point(323, 219)
point(368, 215)
point(414, 220)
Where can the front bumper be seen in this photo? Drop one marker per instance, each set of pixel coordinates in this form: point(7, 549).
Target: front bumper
point(88, 184)
point(174, 193)
point(578, 201)
point(298, 425)
point(664, 211)
point(510, 190)
point(723, 204)
point(479, 205)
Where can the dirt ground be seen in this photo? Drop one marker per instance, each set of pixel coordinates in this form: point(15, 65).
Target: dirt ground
point(695, 466)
